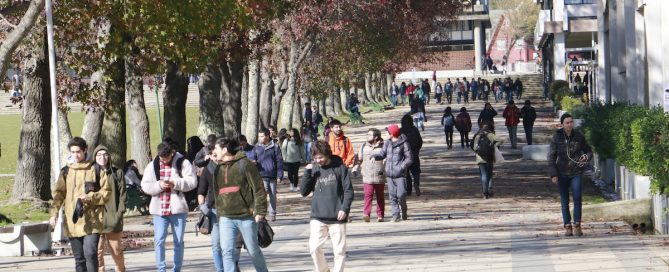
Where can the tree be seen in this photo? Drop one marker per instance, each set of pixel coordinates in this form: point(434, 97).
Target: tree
point(517, 25)
point(134, 85)
point(10, 41)
point(211, 112)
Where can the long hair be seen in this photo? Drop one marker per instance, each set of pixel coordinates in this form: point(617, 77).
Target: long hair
point(296, 136)
point(194, 145)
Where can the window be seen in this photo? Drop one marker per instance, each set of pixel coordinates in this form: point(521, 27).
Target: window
point(460, 31)
point(520, 43)
point(578, 2)
point(501, 44)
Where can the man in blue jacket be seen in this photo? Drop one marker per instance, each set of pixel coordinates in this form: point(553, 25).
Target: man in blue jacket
point(267, 156)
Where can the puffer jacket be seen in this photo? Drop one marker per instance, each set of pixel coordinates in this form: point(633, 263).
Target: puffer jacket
point(563, 148)
point(69, 188)
point(370, 168)
point(238, 189)
point(115, 207)
point(188, 182)
point(398, 156)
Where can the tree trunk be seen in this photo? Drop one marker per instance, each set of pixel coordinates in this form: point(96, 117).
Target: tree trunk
point(336, 100)
point(32, 168)
point(140, 149)
point(375, 88)
point(289, 98)
point(297, 113)
point(368, 88)
point(245, 98)
point(174, 103)
point(113, 127)
point(342, 100)
point(266, 107)
point(231, 91)
point(322, 107)
point(211, 112)
point(251, 131)
point(328, 105)
point(92, 127)
point(389, 82)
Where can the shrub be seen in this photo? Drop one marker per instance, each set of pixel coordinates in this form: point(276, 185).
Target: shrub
point(558, 90)
point(569, 104)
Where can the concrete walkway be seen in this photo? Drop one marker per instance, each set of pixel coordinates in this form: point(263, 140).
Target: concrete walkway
point(450, 227)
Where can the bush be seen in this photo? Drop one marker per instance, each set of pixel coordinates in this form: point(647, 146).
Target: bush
point(569, 104)
point(558, 90)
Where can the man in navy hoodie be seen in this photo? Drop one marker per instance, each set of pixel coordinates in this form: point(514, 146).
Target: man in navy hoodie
point(332, 189)
point(267, 156)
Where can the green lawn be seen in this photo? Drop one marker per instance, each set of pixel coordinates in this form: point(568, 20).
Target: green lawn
point(11, 128)
point(23, 212)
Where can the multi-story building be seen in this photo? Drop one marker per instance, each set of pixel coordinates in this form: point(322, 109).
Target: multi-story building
point(520, 53)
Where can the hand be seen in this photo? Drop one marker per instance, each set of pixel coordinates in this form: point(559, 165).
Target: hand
point(165, 185)
point(84, 198)
point(554, 180)
point(206, 158)
point(308, 166)
point(355, 173)
point(259, 218)
point(52, 221)
point(341, 216)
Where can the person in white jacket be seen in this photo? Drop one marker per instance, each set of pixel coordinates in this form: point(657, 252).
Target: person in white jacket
point(166, 179)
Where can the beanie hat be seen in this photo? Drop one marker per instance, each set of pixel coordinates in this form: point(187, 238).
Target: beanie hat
point(394, 130)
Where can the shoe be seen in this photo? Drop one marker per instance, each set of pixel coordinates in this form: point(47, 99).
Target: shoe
point(577, 229)
point(380, 219)
point(405, 216)
point(408, 193)
point(568, 231)
point(486, 196)
point(395, 219)
point(365, 218)
point(272, 218)
point(417, 191)
point(292, 187)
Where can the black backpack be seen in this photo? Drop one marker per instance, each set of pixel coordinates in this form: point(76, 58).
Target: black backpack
point(156, 166)
point(483, 147)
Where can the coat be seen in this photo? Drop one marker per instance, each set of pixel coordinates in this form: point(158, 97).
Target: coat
point(239, 189)
point(398, 156)
point(115, 207)
point(512, 115)
point(341, 147)
point(371, 169)
point(151, 186)
point(292, 152)
point(562, 148)
point(463, 122)
point(269, 160)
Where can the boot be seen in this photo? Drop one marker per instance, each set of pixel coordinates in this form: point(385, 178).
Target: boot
point(568, 231)
point(417, 190)
point(577, 229)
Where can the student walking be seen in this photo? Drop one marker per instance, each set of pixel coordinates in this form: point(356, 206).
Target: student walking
point(292, 150)
point(373, 178)
point(328, 179)
point(512, 116)
point(270, 165)
point(448, 121)
point(529, 115)
point(83, 205)
point(484, 144)
point(487, 114)
point(398, 157)
point(309, 135)
point(438, 91)
point(448, 89)
point(340, 145)
point(464, 125)
point(112, 232)
point(418, 113)
point(415, 141)
point(567, 159)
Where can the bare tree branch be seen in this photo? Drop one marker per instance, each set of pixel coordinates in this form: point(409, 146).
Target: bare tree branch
point(3, 19)
point(21, 30)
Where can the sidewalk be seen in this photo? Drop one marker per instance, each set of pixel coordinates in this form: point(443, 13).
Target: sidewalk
point(450, 227)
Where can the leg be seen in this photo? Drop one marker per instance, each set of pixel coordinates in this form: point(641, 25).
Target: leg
point(563, 183)
point(227, 229)
point(415, 174)
point(467, 138)
point(337, 234)
point(402, 197)
point(270, 188)
point(178, 222)
point(101, 252)
point(317, 237)
point(576, 195)
point(514, 136)
point(216, 242)
point(91, 251)
point(368, 194)
point(380, 200)
point(408, 183)
point(77, 244)
point(392, 195)
point(115, 240)
point(462, 139)
point(508, 128)
point(159, 235)
point(249, 229)
point(307, 150)
point(483, 174)
point(528, 134)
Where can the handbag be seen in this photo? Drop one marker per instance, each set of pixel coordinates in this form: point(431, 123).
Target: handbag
point(498, 156)
point(203, 225)
point(265, 234)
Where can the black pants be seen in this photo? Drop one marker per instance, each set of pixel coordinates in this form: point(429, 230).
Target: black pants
point(449, 136)
point(464, 139)
point(293, 168)
point(438, 97)
point(413, 176)
point(449, 97)
point(85, 251)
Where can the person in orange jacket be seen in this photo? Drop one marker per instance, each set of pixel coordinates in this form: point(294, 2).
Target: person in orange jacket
point(341, 145)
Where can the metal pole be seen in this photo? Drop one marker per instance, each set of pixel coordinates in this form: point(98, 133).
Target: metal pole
point(160, 122)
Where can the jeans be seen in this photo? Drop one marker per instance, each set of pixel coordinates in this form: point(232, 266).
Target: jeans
point(319, 233)
point(270, 188)
point(307, 149)
point(475, 94)
point(293, 168)
point(528, 134)
point(216, 242)
point(448, 130)
point(464, 139)
point(160, 224)
point(459, 97)
point(402, 98)
point(438, 97)
point(565, 182)
point(427, 98)
point(497, 94)
point(413, 176)
point(397, 193)
point(513, 136)
point(418, 121)
point(449, 97)
point(485, 172)
point(371, 190)
point(247, 226)
point(85, 251)
point(393, 99)
point(466, 97)
point(509, 96)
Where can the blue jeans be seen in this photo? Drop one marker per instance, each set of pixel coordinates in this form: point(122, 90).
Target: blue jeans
point(528, 134)
point(393, 99)
point(160, 224)
point(307, 149)
point(229, 227)
point(485, 172)
point(270, 188)
point(216, 242)
point(397, 193)
point(513, 135)
point(566, 182)
point(459, 97)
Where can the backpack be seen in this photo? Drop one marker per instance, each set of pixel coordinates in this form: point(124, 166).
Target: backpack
point(156, 167)
point(483, 147)
point(448, 120)
point(66, 169)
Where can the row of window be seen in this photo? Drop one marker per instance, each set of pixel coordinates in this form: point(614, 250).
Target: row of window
point(578, 2)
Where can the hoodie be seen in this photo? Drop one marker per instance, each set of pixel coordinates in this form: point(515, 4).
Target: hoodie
point(332, 188)
point(238, 189)
point(115, 206)
point(341, 147)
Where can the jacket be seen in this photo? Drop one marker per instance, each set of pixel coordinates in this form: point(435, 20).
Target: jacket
point(292, 152)
point(332, 188)
point(529, 115)
point(69, 187)
point(151, 186)
point(206, 185)
point(562, 148)
point(370, 168)
point(493, 139)
point(398, 156)
point(512, 115)
point(463, 123)
point(341, 146)
point(239, 189)
point(487, 115)
point(269, 160)
point(115, 206)
point(414, 139)
point(309, 134)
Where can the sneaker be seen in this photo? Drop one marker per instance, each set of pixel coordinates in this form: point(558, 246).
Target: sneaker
point(486, 196)
point(417, 191)
point(380, 219)
point(577, 229)
point(395, 219)
point(272, 218)
point(365, 218)
point(568, 231)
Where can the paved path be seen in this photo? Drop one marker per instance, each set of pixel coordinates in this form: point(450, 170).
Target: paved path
point(450, 227)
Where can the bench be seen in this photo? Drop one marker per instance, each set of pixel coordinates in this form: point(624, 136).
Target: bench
point(25, 239)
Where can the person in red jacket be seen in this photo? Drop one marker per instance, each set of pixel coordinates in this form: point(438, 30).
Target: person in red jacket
point(512, 116)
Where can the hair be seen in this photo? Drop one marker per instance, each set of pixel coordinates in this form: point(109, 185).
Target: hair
point(264, 131)
point(194, 146)
point(376, 133)
point(335, 122)
point(242, 138)
point(486, 105)
point(172, 143)
point(407, 121)
point(321, 147)
point(270, 127)
point(305, 122)
point(283, 135)
point(211, 139)
point(164, 149)
point(447, 111)
point(511, 102)
point(230, 144)
point(77, 141)
point(307, 104)
point(297, 138)
point(130, 166)
point(527, 102)
point(565, 116)
point(463, 109)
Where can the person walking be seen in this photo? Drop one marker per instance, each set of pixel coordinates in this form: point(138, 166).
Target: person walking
point(317, 118)
point(466, 88)
point(340, 145)
point(83, 205)
point(373, 178)
point(418, 113)
point(529, 115)
point(165, 180)
point(292, 150)
point(518, 86)
point(438, 91)
point(393, 94)
point(398, 158)
point(512, 116)
point(464, 125)
point(415, 143)
point(425, 86)
point(459, 88)
point(448, 121)
point(508, 89)
point(484, 144)
point(112, 232)
point(403, 92)
point(328, 179)
point(474, 87)
point(487, 114)
point(568, 156)
point(309, 135)
point(448, 89)
point(269, 160)
point(241, 203)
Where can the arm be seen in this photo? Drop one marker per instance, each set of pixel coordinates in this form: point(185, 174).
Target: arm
point(552, 157)
point(58, 195)
point(308, 181)
point(259, 194)
point(150, 184)
point(279, 164)
point(201, 159)
point(494, 112)
point(100, 197)
point(480, 117)
point(123, 195)
point(188, 181)
point(408, 157)
point(350, 154)
point(382, 153)
point(203, 186)
point(348, 191)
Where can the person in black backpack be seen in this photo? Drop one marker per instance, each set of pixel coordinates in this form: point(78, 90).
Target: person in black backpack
point(448, 121)
point(484, 144)
point(529, 115)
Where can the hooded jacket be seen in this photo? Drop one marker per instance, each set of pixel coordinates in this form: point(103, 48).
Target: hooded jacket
point(341, 147)
point(332, 188)
point(487, 114)
point(292, 152)
point(370, 168)
point(398, 156)
point(562, 148)
point(412, 137)
point(151, 186)
point(115, 206)
point(239, 189)
point(69, 188)
point(492, 137)
point(269, 160)
point(463, 122)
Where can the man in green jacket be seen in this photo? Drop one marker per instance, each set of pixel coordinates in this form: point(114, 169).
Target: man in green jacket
point(241, 203)
point(112, 232)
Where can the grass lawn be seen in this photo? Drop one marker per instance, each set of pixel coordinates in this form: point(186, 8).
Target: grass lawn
point(23, 212)
point(11, 127)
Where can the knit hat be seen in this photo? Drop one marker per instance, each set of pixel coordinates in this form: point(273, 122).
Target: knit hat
point(394, 130)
